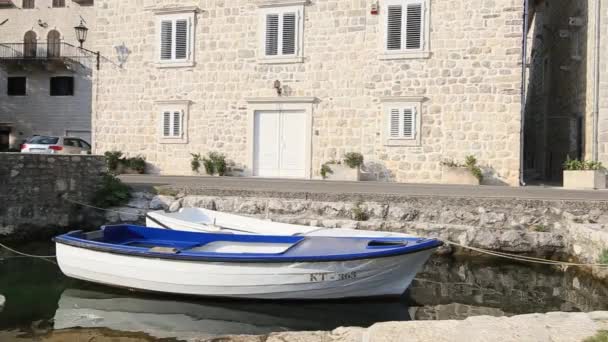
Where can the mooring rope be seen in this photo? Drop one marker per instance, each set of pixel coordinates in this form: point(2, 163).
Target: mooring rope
point(510, 256)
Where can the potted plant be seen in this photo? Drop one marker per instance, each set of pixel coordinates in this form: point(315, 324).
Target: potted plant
point(215, 163)
point(581, 174)
point(349, 169)
point(468, 173)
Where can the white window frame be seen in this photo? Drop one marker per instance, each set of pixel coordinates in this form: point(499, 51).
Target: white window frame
point(404, 53)
point(280, 8)
point(161, 16)
point(173, 106)
point(401, 103)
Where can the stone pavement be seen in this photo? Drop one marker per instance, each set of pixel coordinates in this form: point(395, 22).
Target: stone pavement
point(277, 186)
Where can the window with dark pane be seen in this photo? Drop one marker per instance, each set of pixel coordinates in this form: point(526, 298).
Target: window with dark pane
point(16, 86)
point(62, 86)
point(28, 4)
point(272, 34)
point(58, 3)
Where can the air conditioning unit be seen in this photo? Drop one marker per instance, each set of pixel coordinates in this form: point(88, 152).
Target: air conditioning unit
point(576, 21)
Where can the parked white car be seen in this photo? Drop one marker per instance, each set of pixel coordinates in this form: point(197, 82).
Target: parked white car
point(56, 145)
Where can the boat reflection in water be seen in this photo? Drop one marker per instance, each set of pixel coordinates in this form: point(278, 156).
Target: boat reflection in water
point(184, 318)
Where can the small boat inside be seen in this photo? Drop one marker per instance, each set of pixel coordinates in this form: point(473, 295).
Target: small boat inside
point(168, 244)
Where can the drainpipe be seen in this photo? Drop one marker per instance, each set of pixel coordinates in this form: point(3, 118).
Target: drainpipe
point(524, 70)
point(596, 81)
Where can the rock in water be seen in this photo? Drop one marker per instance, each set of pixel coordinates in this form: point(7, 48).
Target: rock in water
point(2, 301)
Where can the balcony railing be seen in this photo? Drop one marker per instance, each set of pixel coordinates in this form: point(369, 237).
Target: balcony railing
point(44, 51)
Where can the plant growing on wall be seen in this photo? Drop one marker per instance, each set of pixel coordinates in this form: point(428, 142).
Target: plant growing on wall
point(470, 163)
point(604, 257)
point(195, 164)
point(359, 214)
point(112, 192)
point(582, 165)
point(353, 160)
point(113, 160)
point(215, 162)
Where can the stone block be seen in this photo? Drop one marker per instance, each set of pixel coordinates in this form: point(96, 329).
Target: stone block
point(458, 175)
point(592, 179)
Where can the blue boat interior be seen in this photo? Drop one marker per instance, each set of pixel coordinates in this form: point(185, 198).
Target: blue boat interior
point(152, 242)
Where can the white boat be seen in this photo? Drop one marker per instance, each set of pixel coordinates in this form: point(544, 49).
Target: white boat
point(243, 266)
point(210, 221)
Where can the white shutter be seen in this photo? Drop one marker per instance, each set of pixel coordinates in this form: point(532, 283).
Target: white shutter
point(166, 124)
point(394, 27)
point(181, 39)
point(409, 123)
point(289, 33)
point(414, 26)
point(394, 123)
point(166, 40)
point(272, 35)
point(177, 124)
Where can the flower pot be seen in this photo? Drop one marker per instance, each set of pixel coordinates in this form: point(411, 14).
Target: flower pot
point(343, 173)
point(458, 175)
point(591, 179)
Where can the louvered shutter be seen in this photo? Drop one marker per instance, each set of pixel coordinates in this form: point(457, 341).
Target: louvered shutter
point(394, 123)
point(166, 40)
point(414, 33)
point(166, 124)
point(272, 34)
point(409, 123)
point(394, 27)
point(289, 33)
point(177, 124)
point(181, 39)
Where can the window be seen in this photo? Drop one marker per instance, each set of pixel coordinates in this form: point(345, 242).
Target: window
point(405, 28)
point(402, 121)
point(281, 38)
point(173, 121)
point(16, 86)
point(58, 3)
point(172, 124)
point(28, 4)
point(175, 39)
point(30, 44)
point(53, 44)
point(62, 86)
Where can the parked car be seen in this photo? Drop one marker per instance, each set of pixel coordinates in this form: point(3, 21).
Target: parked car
point(56, 145)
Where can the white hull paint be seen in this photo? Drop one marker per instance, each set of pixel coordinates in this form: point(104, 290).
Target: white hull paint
point(389, 276)
point(209, 221)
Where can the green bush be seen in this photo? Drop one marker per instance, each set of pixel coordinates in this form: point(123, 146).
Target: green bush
point(196, 162)
point(359, 214)
point(326, 170)
point(604, 257)
point(353, 160)
point(215, 162)
point(135, 163)
point(112, 192)
point(112, 160)
point(601, 336)
point(581, 165)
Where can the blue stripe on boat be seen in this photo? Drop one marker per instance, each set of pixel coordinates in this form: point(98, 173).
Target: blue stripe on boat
point(145, 242)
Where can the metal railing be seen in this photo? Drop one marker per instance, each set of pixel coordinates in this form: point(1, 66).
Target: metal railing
point(41, 51)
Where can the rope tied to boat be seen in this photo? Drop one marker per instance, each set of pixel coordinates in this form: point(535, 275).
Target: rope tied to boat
point(26, 255)
point(509, 256)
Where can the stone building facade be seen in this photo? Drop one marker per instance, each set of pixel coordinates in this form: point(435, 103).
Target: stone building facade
point(283, 86)
point(45, 80)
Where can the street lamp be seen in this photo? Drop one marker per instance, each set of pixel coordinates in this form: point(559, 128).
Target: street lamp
point(81, 36)
point(81, 33)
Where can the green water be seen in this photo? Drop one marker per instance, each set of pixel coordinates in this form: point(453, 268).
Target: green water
point(39, 299)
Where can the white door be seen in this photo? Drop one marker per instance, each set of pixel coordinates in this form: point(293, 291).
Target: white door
point(280, 144)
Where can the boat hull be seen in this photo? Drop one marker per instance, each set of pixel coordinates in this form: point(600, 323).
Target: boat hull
point(387, 276)
point(206, 221)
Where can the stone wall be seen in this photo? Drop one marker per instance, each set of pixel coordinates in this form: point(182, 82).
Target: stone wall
point(471, 82)
point(31, 190)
